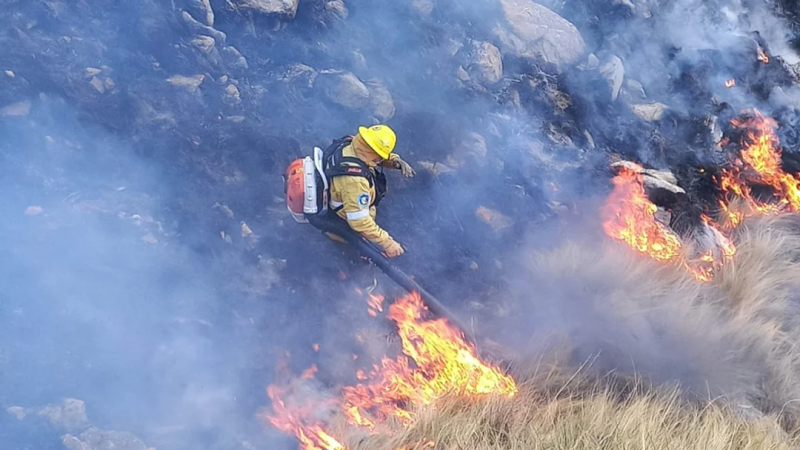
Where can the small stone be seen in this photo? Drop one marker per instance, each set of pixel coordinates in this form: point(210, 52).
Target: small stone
point(246, 231)
point(205, 44)
point(650, 112)
point(10, 74)
point(232, 95)
point(223, 79)
point(189, 83)
point(98, 85)
point(109, 84)
point(33, 210)
point(19, 109)
point(462, 74)
point(92, 71)
point(614, 73)
point(280, 8)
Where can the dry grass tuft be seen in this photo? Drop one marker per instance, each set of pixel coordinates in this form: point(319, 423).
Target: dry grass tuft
point(563, 415)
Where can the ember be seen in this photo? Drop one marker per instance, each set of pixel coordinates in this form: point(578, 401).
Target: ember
point(436, 361)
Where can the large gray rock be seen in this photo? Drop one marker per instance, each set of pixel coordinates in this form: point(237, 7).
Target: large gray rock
point(486, 63)
point(343, 88)
point(283, 8)
point(534, 31)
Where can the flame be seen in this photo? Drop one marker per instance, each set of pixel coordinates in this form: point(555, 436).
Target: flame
point(761, 159)
point(437, 360)
point(297, 416)
point(630, 217)
point(730, 83)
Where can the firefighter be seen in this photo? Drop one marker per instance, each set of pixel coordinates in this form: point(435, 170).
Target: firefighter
point(354, 198)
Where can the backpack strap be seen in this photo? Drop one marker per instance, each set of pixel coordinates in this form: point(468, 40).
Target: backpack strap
point(340, 166)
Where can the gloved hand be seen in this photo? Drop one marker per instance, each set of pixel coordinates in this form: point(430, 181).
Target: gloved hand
point(404, 167)
point(393, 250)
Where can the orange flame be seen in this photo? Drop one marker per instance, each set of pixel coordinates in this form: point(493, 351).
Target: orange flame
point(761, 156)
point(297, 415)
point(437, 361)
point(630, 217)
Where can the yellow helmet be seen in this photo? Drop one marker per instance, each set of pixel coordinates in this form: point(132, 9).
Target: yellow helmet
point(380, 138)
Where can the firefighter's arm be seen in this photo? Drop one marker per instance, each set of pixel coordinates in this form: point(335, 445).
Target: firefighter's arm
point(356, 201)
point(396, 162)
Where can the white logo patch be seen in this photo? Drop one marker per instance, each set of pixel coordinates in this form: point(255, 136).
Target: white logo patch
point(363, 200)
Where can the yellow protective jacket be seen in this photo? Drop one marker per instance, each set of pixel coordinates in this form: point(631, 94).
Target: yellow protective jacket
point(355, 196)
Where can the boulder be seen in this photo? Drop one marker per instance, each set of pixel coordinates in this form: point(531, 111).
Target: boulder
point(380, 100)
point(281, 8)
point(486, 63)
point(650, 112)
point(343, 88)
point(614, 72)
point(536, 32)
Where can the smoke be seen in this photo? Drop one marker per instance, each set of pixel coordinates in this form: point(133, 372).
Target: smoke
point(132, 282)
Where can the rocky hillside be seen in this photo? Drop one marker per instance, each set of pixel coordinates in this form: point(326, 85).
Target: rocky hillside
point(143, 144)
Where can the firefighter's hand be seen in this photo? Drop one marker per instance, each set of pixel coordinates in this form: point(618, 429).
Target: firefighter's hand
point(393, 250)
point(403, 166)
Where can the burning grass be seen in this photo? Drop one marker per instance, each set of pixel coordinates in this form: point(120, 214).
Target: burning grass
point(676, 348)
point(652, 358)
